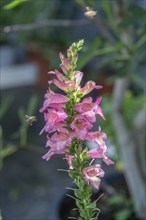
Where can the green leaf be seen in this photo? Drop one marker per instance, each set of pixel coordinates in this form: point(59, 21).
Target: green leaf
point(71, 196)
point(89, 55)
point(5, 104)
point(91, 206)
point(84, 154)
point(14, 4)
point(107, 8)
point(21, 114)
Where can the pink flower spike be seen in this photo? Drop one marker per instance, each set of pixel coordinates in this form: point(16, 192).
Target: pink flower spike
point(92, 174)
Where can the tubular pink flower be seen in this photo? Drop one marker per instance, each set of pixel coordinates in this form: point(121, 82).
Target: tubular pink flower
point(98, 136)
point(63, 69)
point(89, 109)
point(97, 109)
point(65, 61)
point(99, 153)
point(92, 174)
point(89, 86)
point(59, 75)
point(57, 106)
point(51, 152)
point(65, 86)
point(54, 119)
point(51, 98)
point(69, 53)
point(86, 108)
point(60, 139)
point(81, 126)
point(77, 76)
point(72, 55)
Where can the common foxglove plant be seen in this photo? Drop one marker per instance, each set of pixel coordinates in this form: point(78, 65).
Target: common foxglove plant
point(69, 118)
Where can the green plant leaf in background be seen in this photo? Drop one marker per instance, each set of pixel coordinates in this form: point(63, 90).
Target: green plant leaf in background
point(123, 214)
point(5, 104)
point(14, 4)
point(8, 150)
point(32, 104)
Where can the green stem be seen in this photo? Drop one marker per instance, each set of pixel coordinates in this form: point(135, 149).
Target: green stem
point(23, 136)
point(83, 193)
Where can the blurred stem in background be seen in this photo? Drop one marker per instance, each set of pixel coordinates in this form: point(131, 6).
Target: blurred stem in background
point(7, 149)
point(22, 113)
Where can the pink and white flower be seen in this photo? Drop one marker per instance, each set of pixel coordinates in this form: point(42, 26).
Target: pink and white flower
point(81, 126)
point(51, 98)
point(66, 86)
point(66, 62)
point(60, 139)
point(89, 86)
point(69, 160)
point(58, 142)
point(92, 174)
point(52, 152)
point(98, 136)
point(100, 153)
point(90, 109)
point(54, 119)
point(59, 75)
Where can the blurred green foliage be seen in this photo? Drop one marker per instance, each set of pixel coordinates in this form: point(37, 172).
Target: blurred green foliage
point(124, 206)
point(14, 4)
point(132, 104)
point(120, 40)
point(28, 12)
point(120, 28)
